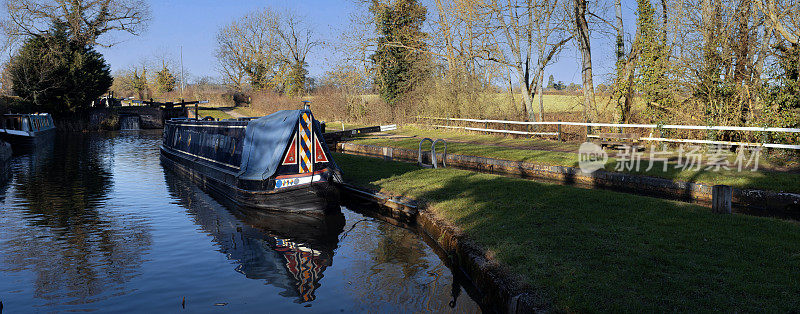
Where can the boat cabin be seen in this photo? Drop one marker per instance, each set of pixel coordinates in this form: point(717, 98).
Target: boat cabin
point(26, 122)
point(278, 161)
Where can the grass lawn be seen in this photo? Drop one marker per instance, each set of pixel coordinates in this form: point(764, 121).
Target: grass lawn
point(596, 250)
point(246, 111)
point(214, 113)
point(565, 154)
point(333, 126)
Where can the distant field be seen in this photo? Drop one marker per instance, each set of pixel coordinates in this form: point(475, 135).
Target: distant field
point(493, 105)
point(503, 102)
point(552, 103)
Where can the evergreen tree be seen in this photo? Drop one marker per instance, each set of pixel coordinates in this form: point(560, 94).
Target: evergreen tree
point(400, 59)
point(58, 75)
point(139, 83)
point(296, 79)
point(165, 81)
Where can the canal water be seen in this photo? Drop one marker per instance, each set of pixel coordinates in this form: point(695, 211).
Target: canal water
point(94, 223)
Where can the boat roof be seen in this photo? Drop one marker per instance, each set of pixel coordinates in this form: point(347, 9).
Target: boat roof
point(265, 141)
point(26, 114)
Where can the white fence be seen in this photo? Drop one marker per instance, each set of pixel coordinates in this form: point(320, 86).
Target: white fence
point(640, 126)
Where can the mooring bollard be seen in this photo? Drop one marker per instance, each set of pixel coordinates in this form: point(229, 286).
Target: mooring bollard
point(721, 199)
point(419, 152)
point(433, 153)
point(388, 153)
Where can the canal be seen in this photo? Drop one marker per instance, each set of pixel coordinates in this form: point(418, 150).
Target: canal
point(94, 223)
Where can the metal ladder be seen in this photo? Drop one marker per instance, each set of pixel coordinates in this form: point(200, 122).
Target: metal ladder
point(433, 164)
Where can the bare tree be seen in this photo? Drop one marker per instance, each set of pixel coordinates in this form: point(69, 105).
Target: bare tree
point(249, 47)
point(527, 36)
point(721, 48)
point(86, 20)
point(268, 48)
point(458, 40)
point(626, 67)
point(783, 17)
point(461, 39)
point(623, 84)
point(297, 41)
point(584, 44)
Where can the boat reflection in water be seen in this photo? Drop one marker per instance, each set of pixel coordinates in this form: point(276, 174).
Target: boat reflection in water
point(289, 251)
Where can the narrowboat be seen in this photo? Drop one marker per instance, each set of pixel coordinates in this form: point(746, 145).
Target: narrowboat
point(278, 162)
point(26, 131)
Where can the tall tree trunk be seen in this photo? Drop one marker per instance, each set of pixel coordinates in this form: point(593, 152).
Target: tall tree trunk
point(620, 31)
point(527, 103)
point(742, 52)
point(623, 111)
point(540, 83)
point(584, 44)
point(758, 69)
point(526, 92)
point(664, 22)
point(707, 12)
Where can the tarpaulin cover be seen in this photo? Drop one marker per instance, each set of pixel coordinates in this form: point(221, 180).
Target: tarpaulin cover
point(265, 141)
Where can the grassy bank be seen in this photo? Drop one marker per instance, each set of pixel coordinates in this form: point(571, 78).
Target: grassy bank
point(565, 154)
point(214, 113)
point(590, 250)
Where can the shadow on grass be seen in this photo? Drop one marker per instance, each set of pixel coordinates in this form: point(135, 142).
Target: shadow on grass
point(593, 249)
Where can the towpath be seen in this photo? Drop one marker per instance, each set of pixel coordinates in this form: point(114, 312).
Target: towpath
point(233, 113)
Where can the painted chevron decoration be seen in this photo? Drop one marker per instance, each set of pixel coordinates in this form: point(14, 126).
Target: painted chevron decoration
point(306, 140)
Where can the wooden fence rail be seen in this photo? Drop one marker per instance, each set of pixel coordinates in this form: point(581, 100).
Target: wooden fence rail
point(641, 126)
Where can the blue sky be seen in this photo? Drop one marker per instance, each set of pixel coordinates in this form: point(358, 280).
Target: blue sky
point(193, 24)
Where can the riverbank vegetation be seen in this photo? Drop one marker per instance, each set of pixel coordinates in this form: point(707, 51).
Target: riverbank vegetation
point(589, 250)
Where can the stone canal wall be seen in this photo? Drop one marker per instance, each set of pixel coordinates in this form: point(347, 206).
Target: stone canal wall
point(763, 200)
point(148, 117)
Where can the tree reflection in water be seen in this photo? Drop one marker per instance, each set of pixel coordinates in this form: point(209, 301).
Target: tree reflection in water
point(398, 273)
point(287, 251)
point(55, 223)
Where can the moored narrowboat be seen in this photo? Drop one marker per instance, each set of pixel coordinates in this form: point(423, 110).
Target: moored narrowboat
point(25, 131)
point(279, 162)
